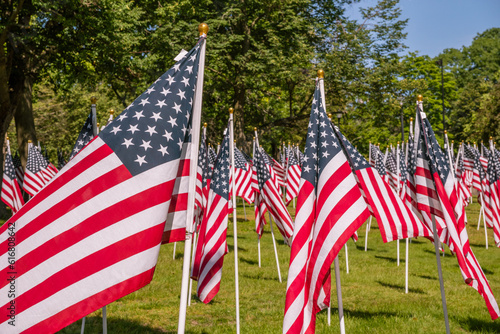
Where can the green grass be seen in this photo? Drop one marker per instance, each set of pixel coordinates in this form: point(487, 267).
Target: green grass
point(373, 291)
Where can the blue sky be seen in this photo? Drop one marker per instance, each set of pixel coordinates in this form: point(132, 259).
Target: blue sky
point(435, 25)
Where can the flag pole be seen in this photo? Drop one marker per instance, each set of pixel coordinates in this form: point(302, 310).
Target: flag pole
point(255, 202)
point(321, 75)
point(274, 244)
point(236, 282)
point(370, 221)
point(195, 143)
point(436, 248)
point(346, 258)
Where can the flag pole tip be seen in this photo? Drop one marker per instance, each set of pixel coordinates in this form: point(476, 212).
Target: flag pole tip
point(93, 100)
point(231, 110)
point(445, 132)
point(254, 129)
point(6, 137)
point(29, 141)
point(321, 74)
point(111, 111)
point(420, 98)
point(97, 124)
point(205, 124)
point(203, 28)
point(411, 119)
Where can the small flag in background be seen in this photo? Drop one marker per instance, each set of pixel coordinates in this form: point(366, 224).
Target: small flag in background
point(212, 244)
point(84, 137)
point(243, 177)
point(11, 192)
point(292, 177)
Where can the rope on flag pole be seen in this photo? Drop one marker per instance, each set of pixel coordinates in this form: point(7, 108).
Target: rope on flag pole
point(236, 282)
point(195, 141)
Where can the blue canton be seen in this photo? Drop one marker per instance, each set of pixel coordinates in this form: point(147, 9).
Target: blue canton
point(152, 130)
point(357, 161)
point(321, 143)
point(85, 136)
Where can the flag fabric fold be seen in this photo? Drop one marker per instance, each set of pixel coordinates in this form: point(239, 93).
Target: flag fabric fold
point(11, 192)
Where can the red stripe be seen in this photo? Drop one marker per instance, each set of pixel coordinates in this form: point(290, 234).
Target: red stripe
point(92, 303)
point(78, 197)
point(91, 225)
point(97, 155)
point(88, 266)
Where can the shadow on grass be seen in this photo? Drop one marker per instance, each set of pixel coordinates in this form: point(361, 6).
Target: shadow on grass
point(417, 242)
point(487, 271)
point(259, 276)
point(240, 249)
point(476, 325)
point(401, 288)
point(478, 245)
point(241, 220)
point(427, 277)
point(390, 259)
point(364, 314)
point(252, 262)
point(93, 324)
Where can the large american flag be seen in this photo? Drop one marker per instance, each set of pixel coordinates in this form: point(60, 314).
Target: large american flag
point(395, 219)
point(243, 177)
point(270, 195)
point(440, 199)
point(84, 137)
point(93, 234)
point(330, 208)
point(11, 192)
point(212, 244)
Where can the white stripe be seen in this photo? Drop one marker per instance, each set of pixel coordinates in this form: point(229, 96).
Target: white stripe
point(85, 288)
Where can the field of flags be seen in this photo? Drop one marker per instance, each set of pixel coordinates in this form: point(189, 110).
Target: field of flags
point(89, 232)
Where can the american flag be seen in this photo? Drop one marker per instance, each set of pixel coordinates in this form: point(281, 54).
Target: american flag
point(292, 178)
point(435, 175)
point(202, 176)
point(259, 204)
point(280, 172)
point(472, 163)
point(380, 165)
point(212, 244)
point(243, 177)
point(212, 156)
point(84, 137)
point(36, 175)
point(373, 151)
point(19, 169)
point(492, 199)
point(11, 192)
point(463, 188)
point(330, 208)
point(270, 195)
point(392, 170)
point(395, 219)
point(93, 234)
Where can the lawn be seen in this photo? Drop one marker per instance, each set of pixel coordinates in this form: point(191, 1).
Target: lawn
point(373, 291)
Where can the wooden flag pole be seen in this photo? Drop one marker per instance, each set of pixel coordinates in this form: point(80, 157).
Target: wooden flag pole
point(235, 220)
point(195, 145)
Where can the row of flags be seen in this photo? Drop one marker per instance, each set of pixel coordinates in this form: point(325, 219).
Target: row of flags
point(92, 233)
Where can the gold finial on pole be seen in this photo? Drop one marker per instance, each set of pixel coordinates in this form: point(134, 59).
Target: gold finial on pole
point(203, 29)
point(445, 132)
point(231, 110)
point(97, 124)
point(321, 74)
point(420, 98)
point(93, 100)
point(253, 138)
point(411, 119)
point(205, 124)
point(491, 138)
point(29, 141)
point(329, 116)
point(111, 111)
point(6, 137)
point(254, 129)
